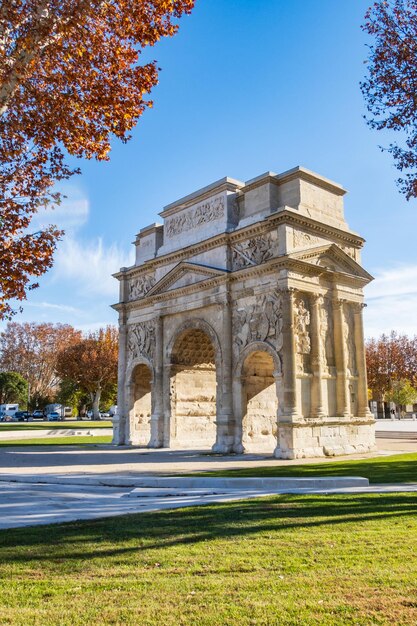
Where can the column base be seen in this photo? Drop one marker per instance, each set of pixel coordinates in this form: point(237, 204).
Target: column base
point(222, 448)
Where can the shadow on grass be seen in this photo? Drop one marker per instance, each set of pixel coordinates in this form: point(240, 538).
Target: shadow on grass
point(136, 533)
point(390, 469)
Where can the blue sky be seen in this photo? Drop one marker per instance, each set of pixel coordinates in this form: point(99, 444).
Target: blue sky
point(246, 86)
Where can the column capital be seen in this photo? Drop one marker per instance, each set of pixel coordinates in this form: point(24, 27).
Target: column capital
point(339, 302)
point(287, 291)
point(358, 307)
point(316, 298)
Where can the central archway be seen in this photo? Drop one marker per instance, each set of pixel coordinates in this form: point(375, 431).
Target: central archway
point(193, 390)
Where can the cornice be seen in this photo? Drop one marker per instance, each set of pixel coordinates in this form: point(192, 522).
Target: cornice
point(286, 216)
point(286, 262)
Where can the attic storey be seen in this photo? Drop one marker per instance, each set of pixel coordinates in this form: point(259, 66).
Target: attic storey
point(241, 323)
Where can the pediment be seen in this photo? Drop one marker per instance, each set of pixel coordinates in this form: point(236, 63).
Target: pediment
point(183, 275)
point(333, 259)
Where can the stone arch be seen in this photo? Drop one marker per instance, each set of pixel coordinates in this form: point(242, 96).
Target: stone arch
point(194, 358)
point(197, 324)
point(140, 400)
point(258, 394)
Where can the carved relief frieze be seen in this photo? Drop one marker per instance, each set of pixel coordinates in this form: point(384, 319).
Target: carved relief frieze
point(260, 321)
point(208, 211)
point(253, 251)
point(139, 287)
point(141, 340)
point(302, 239)
point(302, 334)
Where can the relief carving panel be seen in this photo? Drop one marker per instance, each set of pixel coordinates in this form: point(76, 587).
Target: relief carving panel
point(302, 335)
point(261, 321)
point(139, 287)
point(141, 340)
point(253, 251)
point(208, 211)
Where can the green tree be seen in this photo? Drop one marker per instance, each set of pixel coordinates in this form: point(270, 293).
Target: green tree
point(402, 392)
point(13, 388)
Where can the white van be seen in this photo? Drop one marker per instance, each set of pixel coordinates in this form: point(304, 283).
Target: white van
point(8, 411)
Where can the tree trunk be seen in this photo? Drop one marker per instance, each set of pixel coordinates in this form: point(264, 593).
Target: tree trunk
point(96, 405)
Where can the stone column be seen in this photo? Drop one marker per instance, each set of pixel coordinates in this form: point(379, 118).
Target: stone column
point(363, 409)
point(156, 440)
point(225, 421)
point(317, 409)
point(120, 430)
point(340, 348)
point(288, 350)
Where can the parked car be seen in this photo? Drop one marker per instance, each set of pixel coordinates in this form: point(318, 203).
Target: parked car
point(5, 418)
point(104, 414)
point(21, 416)
point(38, 415)
point(53, 417)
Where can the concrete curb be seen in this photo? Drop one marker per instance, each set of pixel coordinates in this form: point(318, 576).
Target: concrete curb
point(11, 435)
point(198, 482)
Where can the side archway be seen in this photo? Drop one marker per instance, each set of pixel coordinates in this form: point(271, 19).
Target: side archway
point(140, 402)
point(258, 394)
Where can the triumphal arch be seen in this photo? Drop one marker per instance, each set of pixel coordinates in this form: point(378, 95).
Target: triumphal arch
point(241, 323)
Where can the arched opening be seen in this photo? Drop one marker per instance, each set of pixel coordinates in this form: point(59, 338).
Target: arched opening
point(193, 390)
point(259, 403)
point(141, 405)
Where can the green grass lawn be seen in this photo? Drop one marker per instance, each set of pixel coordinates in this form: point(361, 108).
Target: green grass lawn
point(398, 468)
point(44, 425)
point(285, 561)
point(55, 441)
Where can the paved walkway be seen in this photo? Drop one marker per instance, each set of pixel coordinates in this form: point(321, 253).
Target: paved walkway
point(40, 485)
point(26, 504)
point(102, 460)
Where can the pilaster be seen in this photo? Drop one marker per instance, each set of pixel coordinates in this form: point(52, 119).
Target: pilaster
point(363, 409)
point(156, 440)
point(225, 423)
point(342, 383)
point(317, 409)
point(120, 427)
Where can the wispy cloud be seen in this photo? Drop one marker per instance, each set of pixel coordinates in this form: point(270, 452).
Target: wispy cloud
point(392, 301)
point(65, 308)
point(70, 215)
point(90, 265)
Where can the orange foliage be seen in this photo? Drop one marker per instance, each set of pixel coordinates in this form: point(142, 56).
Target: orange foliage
point(32, 350)
point(388, 359)
point(70, 80)
point(92, 362)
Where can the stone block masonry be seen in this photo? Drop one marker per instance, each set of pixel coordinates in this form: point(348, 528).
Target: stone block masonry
point(241, 323)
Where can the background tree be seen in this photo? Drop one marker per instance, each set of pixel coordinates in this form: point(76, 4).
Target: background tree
point(13, 388)
point(390, 358)
point(70, 394)
point(91, 364)
point(402, 393)
point(32, 350)
point(70, 80)
point(391, 85)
